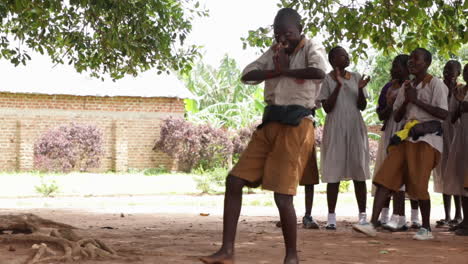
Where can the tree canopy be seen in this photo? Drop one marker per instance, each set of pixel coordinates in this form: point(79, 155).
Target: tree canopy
point(387, 25)
point(104, 37)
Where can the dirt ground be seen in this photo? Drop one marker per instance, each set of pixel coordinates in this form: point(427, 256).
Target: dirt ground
point(182, 238)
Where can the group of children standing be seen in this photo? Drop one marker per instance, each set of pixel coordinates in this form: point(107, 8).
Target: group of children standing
point(416, 113)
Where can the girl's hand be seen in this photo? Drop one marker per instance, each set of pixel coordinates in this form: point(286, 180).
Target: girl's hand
point(338, 77)
point(364, 81)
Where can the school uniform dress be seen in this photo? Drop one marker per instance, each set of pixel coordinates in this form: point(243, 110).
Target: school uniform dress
point(278, 155)
point(444, 181)
point(457, 159)
point(411, 162)
point(344, 153)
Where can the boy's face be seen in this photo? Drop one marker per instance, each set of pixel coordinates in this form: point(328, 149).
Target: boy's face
point(288, 34)
point(340, 59)
point(465, 73)
point(416, 63)
point(399, 71)
point(451, 72)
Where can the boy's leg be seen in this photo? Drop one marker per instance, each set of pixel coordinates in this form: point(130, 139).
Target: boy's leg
point(232, 207)
point(398, 222)
point(425, 206)
point(309, 199)
point(307, 221)
point(288, 225)
point(381, 195)
point(384, 215)
point(415, 224)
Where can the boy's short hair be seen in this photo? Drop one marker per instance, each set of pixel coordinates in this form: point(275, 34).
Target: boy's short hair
point(332, 52)
point(456, 64)
point(427, 54)
point(288, 13)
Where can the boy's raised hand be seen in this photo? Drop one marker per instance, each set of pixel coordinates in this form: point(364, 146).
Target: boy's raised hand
point(281, 59)
point(411, 95)
point(364, 81)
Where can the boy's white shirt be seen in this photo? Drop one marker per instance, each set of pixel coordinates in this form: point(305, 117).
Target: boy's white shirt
point(433, 93)
point(290, 91)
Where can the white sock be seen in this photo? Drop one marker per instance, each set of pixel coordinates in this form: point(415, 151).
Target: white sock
point(402, 221)
point(331, 219)
point(414, 215)
point(362, 218)
point(395, 218)
point(384, 215)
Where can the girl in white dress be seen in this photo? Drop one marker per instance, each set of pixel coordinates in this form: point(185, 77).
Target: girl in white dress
point(345, 146)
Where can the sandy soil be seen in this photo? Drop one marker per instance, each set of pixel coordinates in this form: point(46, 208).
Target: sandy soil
point(182, 238)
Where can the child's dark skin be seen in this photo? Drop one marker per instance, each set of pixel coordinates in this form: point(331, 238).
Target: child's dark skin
point(339, 62)
point(451, 73)
point(288, 35)
point(417, 66)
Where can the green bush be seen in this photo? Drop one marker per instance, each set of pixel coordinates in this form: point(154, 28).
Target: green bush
point(210, 181)
point(344, 186)
point(47, 189)
point(155, 171)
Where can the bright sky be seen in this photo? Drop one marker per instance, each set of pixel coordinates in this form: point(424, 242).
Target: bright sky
point(229, 21)
point(219, 33)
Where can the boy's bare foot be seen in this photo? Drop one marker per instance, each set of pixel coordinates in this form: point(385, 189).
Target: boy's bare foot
point(218, 258)
point(292, 259)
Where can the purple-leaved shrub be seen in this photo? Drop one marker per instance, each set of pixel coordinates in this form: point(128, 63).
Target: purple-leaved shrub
point(194, 145)
point(69, 147)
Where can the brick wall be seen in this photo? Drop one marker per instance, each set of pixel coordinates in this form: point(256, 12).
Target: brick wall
point(130, 126)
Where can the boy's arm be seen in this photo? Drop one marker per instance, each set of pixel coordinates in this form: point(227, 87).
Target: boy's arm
point(259, 75)
point(432, 110)
point(306, 73)
point(438, 106)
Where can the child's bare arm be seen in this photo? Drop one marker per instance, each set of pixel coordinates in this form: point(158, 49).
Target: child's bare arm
point(400, 112)
point(306, 73)
point(362, 102)
point(259, 75)
point(432, 110)
point(330, 102)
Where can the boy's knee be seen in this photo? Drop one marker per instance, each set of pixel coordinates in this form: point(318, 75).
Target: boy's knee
point(234, 183)
point(283, 200)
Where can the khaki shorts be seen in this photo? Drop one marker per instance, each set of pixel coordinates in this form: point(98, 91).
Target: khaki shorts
point(278, 156)
point(410, 164)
